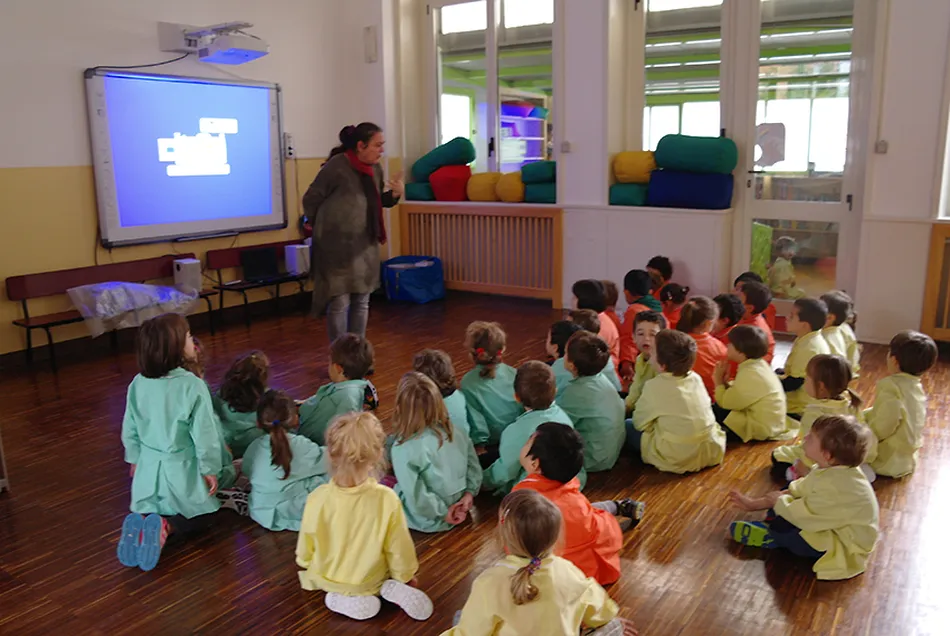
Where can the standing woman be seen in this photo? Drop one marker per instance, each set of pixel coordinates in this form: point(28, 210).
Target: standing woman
point(345, 205)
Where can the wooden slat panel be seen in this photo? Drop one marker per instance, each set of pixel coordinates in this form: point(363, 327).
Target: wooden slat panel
point(935, 320)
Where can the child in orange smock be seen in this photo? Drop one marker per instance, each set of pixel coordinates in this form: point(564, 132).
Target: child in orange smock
point(769, 313)
point(673, 298)
point(756, 298)
point(591, 294)
point(699, 316)
point(731, 311)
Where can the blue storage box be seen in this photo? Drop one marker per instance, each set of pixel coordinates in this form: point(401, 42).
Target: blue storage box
point(417, 279)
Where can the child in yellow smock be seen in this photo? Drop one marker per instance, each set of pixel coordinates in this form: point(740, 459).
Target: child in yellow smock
point(831, 515)
point(674, 418)
point(752, 406)
point(592, 402)
point(489, 387)
point(437, 366)
point(782, 272)
point(806, 321)
point(646, 325)
point(838, 330)
point(171, 441)
point(436, 468)
point(351, 358)
point(237, 400)
point(899, 413)
point(354, 543)
point(529, 590)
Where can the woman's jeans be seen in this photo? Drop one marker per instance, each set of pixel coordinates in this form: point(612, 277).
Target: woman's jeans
point(347, 313)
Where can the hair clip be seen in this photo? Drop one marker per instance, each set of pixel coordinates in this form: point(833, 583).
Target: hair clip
point(480, 351)
point(534, 565)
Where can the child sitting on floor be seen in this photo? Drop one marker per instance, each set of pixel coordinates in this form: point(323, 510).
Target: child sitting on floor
point(756, 298)
point(592, 403)
point(646, 325)
point(591, 294)
point(662, 267)
point(168, 413)
point(782, 272)
point(590, 321)
point(593, 533)
point(751, 277)
point(237, 400)
point(673, 298)
point(900, 408)
point(612, 296)
point(351, 358)
point(831, 515)
point(673, 424)
point(731, 311)
point(556, 344)
point(354, 543)
point(805, 321)
point(699, 316)
point(534, 388)
point(751, 407)
point(637, 289)
point(528, 590)
point(437, 366)
point(436, 468)
point(838, 332)
point(283, 467)
point(828, 377)
point(489, 387)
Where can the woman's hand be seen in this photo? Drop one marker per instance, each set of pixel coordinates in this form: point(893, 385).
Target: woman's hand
point(397, 185)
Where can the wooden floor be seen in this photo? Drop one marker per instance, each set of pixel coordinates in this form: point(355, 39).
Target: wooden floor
point(681, 575)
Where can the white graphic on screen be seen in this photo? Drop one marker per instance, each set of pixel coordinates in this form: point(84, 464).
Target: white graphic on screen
point(201, 155)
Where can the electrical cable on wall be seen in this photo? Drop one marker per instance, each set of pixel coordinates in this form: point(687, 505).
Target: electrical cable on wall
point(134, 66)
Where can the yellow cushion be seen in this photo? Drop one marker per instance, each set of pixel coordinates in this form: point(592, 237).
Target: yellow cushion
point(481, 187)
point(510, 188)
point(634, 166)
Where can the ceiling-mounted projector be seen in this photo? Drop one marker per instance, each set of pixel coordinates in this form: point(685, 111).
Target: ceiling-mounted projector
point(225, 43)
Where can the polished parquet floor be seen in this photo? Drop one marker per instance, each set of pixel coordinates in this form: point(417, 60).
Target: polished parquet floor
point(681, 575)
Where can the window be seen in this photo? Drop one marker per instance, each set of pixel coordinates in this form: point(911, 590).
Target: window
point(464, 18)
point(520, 13)
point(456, 117)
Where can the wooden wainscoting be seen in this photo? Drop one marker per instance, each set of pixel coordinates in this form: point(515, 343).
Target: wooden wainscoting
point(936, 316)
point(504, 249)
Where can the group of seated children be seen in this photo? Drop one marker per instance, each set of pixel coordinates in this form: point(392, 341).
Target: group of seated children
point(352, 487)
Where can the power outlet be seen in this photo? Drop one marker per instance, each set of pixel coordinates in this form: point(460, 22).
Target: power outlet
point(290, 149)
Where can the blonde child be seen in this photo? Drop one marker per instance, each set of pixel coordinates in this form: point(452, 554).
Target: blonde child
point(354, 543)
point(593, 533)
point(838, 330)
point(351, 358)
point(489, 387)
point(171, 441)
point(535, 389)
point(757, 298)
point(592, 403)
point(591, 294)
point(646, 325)
point(806, 321)
point(238, 398)
point(612, 296)
point(673, 298)
point(698, 319)
point(435, 465)
point(528, 590)
point(283, 467)
point(589, 321)
point(437, 366)
point(751, 407)
point(831, 515)
point(674, 426)
point(637, 290)
point(782, 272)
point(731, 311)
point(900, 408)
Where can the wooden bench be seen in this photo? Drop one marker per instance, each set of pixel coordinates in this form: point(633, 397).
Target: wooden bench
point(230, 258)
point(29, 286)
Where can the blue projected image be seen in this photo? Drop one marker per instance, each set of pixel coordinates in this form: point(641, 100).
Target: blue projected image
point(187, 151)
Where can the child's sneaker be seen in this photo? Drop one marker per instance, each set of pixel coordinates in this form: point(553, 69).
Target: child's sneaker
point(413, 602)
point(751, 533)
point(613, 628)
point(868, 472)
point(131, 540)
point(359, 608)
point(233, 499)
point(632, 510)
point(154, 534)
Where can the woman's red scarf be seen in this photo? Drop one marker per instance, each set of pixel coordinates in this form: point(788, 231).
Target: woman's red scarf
point(369, 170)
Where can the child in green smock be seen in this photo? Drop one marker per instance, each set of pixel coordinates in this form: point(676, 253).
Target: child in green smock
point(171, 441)
point(806, 321)
point(534, 388)
point(489, 387)
point(283, 467)
point(558, 335)
point(351, 358)
point(592, 403)
point(434, 462)
point(437, 366)
point(238, 398)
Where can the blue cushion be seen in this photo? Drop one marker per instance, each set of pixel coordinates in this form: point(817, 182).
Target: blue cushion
point(673, 189)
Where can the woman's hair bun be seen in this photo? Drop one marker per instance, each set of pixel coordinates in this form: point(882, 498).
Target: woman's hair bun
point(347, 136)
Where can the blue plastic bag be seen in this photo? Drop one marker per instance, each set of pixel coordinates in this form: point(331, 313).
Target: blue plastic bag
point(417, 279)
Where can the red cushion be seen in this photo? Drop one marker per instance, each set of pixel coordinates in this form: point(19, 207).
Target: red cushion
point(449, 182)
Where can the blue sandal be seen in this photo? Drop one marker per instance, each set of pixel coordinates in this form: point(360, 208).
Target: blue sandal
point(130, 541)
point(151, 548)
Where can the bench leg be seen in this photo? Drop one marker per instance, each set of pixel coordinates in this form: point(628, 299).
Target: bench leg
point(52, 349)
point(210, 314)
point(114, 340)
point(29, 346)
point(277, 299)
point(247, 311)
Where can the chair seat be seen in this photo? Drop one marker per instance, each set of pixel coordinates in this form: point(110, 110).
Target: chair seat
point(49, 320)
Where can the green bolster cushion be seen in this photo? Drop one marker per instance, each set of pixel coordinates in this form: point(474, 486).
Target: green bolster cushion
point(458, 152)
point(539, 172)
point(540, 193)
point(717, 155)
point(628, 194)
point(419, 192)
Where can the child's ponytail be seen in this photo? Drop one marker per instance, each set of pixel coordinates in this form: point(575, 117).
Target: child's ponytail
point(277, 414)
point(529, 527)
point(696, 312)
point(522, 589)
point(855, 400)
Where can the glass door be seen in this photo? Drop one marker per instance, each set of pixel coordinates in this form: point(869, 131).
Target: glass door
point(798, 217)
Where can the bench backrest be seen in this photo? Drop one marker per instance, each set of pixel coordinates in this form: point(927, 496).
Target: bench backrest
point(53, 283)
point(231, 257)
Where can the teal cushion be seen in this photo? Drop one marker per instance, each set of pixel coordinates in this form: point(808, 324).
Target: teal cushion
point(717, 155)
point(458, 152)
point(539, 172)
point(540, 192)
point(628, 194)
point(419, 192)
